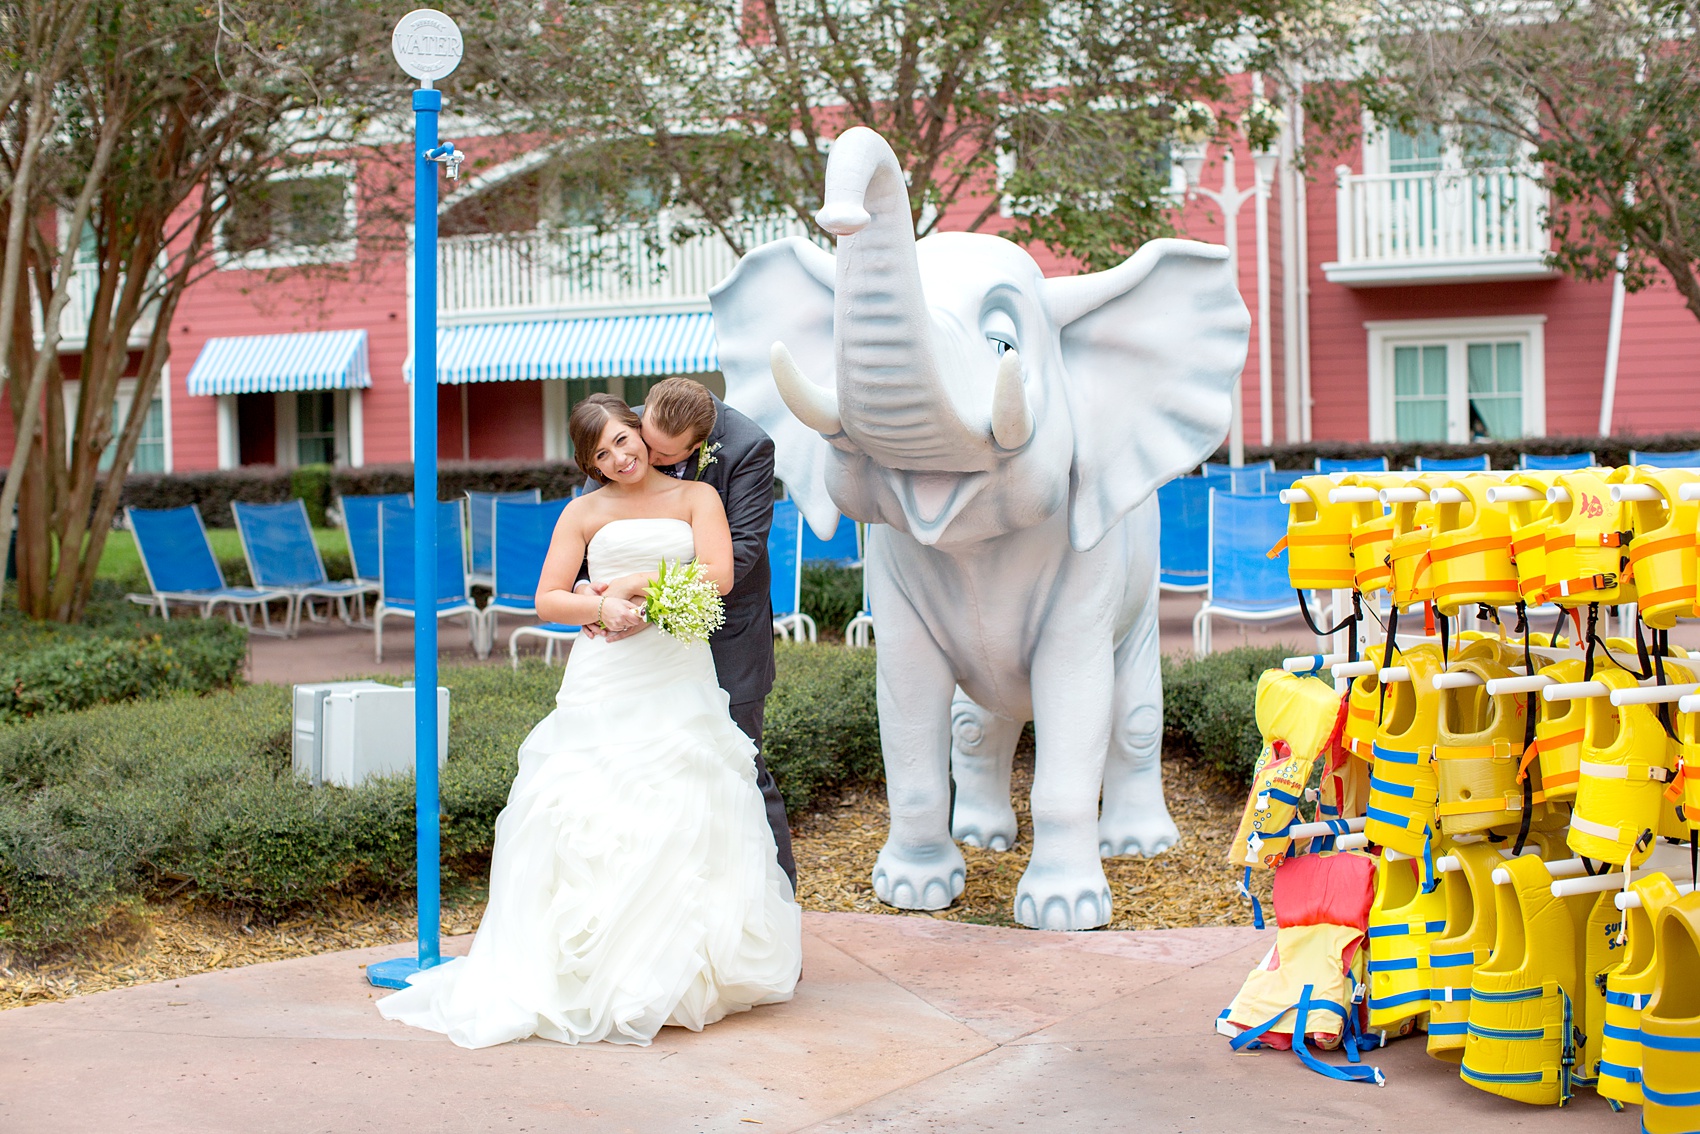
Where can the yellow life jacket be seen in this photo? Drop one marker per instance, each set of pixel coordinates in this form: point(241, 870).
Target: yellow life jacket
point(1661, 556)
point(1479, 751)
point(1325, 957)
point(1529, 522)
point(1363, 703)
point(1587, 542)
point(1470, 550)
point(1319, 537)
point(1466, 943)
point(1296, 716)
point(1628, 987)
point(1408, 554)
point(1520, 1040)
point(1627, 759)
point(1670, 1023)
point(1558, 733)
point(1372, 535)
point(1404, 922)
point(1403, 787)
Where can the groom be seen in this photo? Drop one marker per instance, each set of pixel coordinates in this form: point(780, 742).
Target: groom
point(693, 435)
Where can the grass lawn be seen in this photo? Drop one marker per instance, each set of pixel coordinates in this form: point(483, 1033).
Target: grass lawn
point(120, 562)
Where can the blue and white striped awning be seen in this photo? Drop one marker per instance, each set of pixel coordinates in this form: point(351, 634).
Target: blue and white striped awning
point(259, 364)
point(609, 346)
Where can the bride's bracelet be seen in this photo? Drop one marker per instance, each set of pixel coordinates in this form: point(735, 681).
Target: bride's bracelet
point(599, 620)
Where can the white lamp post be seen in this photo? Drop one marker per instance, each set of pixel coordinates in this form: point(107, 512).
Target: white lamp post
point(1229, 198)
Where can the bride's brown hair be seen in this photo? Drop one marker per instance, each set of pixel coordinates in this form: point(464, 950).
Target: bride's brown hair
point(589, 418)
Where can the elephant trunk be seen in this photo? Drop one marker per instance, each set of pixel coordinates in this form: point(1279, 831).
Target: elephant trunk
point(893, 399)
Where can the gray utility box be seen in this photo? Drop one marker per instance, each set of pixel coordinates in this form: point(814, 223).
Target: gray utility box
point(347, 732)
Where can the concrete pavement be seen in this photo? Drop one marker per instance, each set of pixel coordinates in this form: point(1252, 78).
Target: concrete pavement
point(900, 1024)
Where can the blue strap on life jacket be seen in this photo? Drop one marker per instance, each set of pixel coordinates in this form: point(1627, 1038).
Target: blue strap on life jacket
point(1351, 1074)
point(1619, 1071)
point(1631, 1000)
point(1669, 1043)
point(1256, 906)
point(1403, 930)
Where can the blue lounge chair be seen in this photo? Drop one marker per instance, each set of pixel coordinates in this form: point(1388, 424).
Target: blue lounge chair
point(520, 534)
point(397, 597)
point(1478, 463)
point(1327, 465)
point(481, 522)
point(277, 542)
point(1688, 459)
point(1183, 556)
point(1276, 480)
point(1559, 462)
point(785, 555)
point(360, 525)
point(1246, 481)
point(181, 568)
point(1244, 583)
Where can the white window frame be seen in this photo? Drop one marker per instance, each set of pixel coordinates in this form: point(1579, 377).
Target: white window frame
point(345, 413)
point(124, 396)
point(295, 256)
point(1454, 334)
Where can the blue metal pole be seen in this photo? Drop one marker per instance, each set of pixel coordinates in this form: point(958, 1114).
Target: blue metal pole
point(426, 105)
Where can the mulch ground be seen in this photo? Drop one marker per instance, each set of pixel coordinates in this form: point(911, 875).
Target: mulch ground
point(835, 845)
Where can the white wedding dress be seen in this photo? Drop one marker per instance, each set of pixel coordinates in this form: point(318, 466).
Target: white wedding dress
point(634, 881)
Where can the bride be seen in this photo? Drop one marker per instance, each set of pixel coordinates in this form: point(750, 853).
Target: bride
point(634, 882)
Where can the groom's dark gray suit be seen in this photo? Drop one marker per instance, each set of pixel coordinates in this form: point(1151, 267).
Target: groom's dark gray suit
point(741, 470)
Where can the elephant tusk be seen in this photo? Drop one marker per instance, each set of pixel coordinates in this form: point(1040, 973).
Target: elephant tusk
point(815, 407)
point(1012, 420)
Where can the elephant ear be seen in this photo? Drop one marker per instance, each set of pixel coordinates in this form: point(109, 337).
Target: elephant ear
point(781, 292)
point(1150, 352)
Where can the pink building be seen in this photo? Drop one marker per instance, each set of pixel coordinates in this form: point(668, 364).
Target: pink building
point(1407, 300)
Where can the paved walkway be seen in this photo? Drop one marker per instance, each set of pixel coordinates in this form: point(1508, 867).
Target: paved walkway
point(900, 1024)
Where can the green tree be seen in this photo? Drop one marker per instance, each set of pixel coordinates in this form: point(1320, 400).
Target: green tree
point(724, 109)
point(128, 132)
point(1603, 99)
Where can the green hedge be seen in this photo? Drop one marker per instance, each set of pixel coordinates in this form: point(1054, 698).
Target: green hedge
point(1209, 710)
point(101, 807)
point(318, 485)
point(118, 653)
point(832, 596)
point(1613, 450)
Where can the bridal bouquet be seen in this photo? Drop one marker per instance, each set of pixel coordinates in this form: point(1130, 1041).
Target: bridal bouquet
point(682, 603)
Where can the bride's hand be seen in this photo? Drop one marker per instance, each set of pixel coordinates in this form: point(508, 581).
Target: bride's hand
point(628, 587)
point(620, 615)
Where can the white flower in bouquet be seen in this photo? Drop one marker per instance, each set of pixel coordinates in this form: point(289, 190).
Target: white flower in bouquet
point(682, 603)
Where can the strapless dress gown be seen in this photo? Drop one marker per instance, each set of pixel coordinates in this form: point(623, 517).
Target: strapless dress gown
point(633, 881)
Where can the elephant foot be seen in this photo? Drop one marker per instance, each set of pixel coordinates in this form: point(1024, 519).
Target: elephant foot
point(1135, 820)
point(1143, 834)
point(990, 827)
point(926, 878)
point(1063, 900)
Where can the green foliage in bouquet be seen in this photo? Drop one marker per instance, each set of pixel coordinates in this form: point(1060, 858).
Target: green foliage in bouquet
point(682, 603)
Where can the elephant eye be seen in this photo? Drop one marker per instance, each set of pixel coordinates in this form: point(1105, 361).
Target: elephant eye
point(1000, 344)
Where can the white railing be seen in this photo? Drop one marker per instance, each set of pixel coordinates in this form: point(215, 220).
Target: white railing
point(1447, 215)
point(79, 305)
point(555, 270)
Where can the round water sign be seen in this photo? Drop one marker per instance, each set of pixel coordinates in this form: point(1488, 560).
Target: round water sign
point(426, 44)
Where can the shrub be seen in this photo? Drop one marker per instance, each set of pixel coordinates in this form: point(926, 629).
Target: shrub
point(832, 596)
point(822, 722)
point(555, 479)
point(1209, 710)
point(98, 808)
point(311, 484)
point(119, 653)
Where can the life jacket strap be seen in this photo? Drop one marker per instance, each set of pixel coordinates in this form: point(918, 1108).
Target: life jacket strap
point(1630, 771)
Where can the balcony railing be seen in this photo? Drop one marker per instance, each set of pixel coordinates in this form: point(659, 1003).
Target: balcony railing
point(79, 305)
point(1443, 226)
point(547, 272)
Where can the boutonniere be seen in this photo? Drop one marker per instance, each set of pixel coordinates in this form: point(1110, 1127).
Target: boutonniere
point(705, 457)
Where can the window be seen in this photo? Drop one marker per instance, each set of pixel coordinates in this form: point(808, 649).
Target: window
point(1457, 380)
point(1414, 153)
point(315, 427)
point(304, 216)
point(153, 447)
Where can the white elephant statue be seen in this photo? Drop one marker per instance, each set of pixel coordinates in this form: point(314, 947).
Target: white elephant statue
point(1006, 433)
